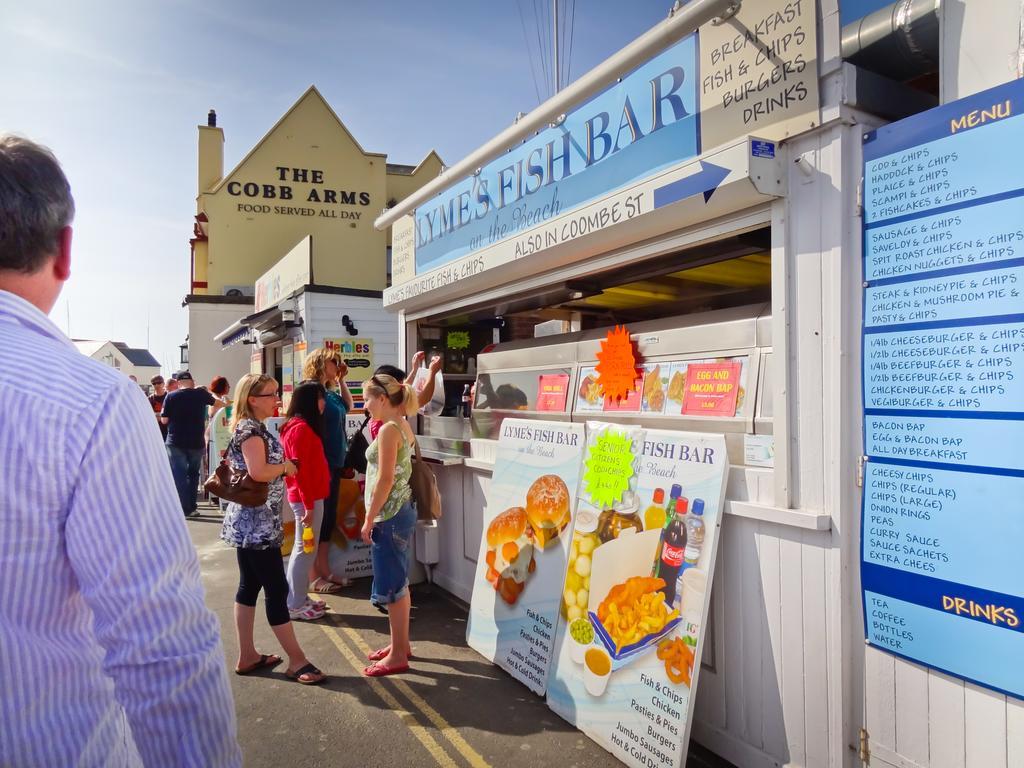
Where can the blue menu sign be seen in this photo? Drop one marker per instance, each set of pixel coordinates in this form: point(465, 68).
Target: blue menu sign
point(943, 388)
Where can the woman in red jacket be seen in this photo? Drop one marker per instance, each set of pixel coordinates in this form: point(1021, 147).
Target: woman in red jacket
point(301, 437)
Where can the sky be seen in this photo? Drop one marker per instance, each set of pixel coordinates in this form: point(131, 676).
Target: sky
point(116, 90)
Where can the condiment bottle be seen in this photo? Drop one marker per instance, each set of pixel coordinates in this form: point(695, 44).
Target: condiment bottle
point(623, 515)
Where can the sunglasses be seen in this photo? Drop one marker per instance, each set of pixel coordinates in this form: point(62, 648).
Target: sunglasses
point(268, 394)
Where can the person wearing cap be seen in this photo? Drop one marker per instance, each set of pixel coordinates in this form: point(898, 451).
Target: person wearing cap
point(184, 413)
point(156, 401)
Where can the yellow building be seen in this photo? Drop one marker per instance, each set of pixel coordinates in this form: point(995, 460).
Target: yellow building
point(307, 177)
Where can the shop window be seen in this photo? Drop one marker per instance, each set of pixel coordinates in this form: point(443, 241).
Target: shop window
point(512, 390)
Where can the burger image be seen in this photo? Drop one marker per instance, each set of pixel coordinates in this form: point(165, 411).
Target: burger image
point(509, 553)
point(547, 508)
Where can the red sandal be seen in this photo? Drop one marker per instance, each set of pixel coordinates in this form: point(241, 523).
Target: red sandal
point(381, 653)
point(378, 669)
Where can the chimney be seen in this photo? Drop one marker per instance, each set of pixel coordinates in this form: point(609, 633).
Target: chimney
point(211, 153)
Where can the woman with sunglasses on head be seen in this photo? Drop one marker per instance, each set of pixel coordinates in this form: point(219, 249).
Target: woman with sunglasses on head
point(301, 436)
point(390, 517)
point(326, 367)
point(256, 532)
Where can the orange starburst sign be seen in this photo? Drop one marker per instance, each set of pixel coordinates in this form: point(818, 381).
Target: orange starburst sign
point(616, 367)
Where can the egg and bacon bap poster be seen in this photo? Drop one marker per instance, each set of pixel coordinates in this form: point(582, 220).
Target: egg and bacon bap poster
point(525, 546)
point(637, 590)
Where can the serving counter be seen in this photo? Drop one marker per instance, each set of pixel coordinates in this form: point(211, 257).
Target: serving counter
point(508, 383)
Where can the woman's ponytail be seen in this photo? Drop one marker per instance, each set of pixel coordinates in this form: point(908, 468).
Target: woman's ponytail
point(412, 403)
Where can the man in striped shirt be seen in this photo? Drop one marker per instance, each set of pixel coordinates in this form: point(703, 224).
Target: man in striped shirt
point(108, 655)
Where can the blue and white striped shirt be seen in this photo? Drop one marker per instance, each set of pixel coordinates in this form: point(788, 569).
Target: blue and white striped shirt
point(108, 654)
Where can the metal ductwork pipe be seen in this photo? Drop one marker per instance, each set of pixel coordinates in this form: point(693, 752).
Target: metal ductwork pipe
point(900, 41)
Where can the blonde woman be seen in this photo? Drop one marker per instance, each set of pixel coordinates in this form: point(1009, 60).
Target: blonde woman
point(326, 367)
point(390, 517)
point(256, 533)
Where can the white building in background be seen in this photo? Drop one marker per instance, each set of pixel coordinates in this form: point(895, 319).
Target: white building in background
point(139, 363)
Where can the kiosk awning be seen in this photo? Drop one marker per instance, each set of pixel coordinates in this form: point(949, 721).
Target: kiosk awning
point(241, 329)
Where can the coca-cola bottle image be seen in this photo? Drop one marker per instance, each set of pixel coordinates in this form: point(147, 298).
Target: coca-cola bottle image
point(673, 546)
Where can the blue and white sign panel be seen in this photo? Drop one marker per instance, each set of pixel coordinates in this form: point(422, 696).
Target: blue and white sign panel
point(646, 122)
point(943, 368)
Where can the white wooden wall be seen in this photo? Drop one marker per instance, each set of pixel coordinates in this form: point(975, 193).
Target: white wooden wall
point(919, 717)
point(323, 312)
point(809, 581)
point(765, 702)
point(464, 495)
point(916, 717)
point(780, 693)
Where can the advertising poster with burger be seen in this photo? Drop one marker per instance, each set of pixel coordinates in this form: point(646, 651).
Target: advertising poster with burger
point(629, 639)
point(524, 549)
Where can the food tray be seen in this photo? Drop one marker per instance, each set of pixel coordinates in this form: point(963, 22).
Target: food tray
point(633, 650)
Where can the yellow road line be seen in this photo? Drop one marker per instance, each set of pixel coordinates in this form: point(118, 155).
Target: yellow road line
point(420, 732)
point(473, 757)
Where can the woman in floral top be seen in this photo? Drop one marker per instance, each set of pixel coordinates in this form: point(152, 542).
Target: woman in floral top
point(390, 517)
point(256, 533)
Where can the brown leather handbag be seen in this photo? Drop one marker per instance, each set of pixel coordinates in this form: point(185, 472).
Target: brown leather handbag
point(230, 484)
point(425, 492)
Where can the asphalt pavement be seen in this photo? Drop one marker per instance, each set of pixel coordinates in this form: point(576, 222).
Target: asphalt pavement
point(453, 709)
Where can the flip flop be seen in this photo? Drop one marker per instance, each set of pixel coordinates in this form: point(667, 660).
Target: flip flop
point(382, 670)
point(265, 662)
point(325, 587)
point(341, 581)
point(381, 653)
point(309, 669)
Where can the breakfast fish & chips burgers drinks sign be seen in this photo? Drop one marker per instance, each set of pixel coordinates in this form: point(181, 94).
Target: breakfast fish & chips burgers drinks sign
point(525, 546)
point(628, 646)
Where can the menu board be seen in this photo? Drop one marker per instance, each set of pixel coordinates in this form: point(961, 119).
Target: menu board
point(525, 547)
point(287, 375)
point(711, 389)
point(552, 391)
point(298, 362)
point(589, 394)
point(636, 596)
point(663, 388)
point(943, 388)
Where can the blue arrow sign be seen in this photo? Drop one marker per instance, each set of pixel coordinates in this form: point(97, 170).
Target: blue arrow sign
point(706, 180)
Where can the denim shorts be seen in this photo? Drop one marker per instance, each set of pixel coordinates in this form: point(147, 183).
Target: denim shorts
point(390, 551)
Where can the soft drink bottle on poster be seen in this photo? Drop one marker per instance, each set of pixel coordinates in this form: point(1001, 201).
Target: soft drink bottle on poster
point(673, 545)
point(655, 515)
point(694, 533)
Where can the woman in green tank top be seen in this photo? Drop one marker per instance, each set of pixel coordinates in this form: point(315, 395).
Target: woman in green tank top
point(390, 516)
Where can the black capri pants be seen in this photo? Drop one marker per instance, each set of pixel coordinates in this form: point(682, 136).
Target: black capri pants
point(263, 569)
point(330, 518)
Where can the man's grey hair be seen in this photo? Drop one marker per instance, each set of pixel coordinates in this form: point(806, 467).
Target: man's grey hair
point(35, 204)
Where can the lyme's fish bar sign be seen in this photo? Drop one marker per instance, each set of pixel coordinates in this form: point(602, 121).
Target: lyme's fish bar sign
point(646, 122)
point(943, 368)
point(600, 166)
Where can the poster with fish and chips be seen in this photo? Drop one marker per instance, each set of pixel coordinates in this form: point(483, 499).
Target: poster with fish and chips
point(636, 599)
